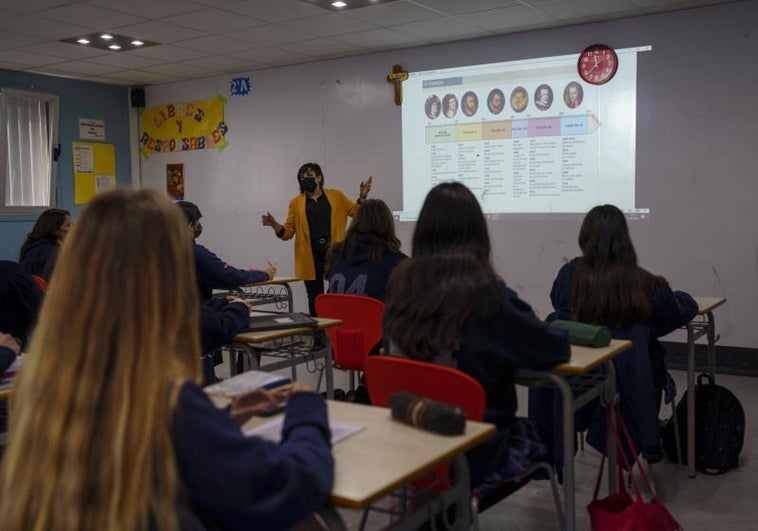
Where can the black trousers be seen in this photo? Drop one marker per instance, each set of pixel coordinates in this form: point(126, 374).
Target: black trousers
point(315, 287)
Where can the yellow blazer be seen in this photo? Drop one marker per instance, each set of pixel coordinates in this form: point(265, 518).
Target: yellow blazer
point(297, 226)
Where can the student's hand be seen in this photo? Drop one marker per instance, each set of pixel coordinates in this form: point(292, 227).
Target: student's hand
point(268, 220)
point(7, 340)
point(247, 303)
point(251, 403)
point(365, 187)
point(271, 270)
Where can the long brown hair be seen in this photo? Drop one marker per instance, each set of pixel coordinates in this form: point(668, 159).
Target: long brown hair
point(90, 444)
point(449, 276)
point(608, 286)
point(48, 225)
point(374, 224)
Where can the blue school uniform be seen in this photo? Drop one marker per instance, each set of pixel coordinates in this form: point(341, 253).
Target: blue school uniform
point(491, 349)
point(358, 274)
point(237, 482)
point(214, 273)
point(640, 371)
point(39, 257)
point(20, 300)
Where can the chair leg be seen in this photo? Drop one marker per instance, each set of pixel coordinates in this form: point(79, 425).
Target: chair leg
point(581, 440)
point(677, 439)
point(556, 495)
point(474, 513)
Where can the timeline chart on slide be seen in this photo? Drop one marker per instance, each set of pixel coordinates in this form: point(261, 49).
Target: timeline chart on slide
point(526, 136)
point(506, 163)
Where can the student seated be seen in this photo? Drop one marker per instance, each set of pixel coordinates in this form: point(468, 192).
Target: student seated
point(361, 264)
point(9, 349)
point(448, 305)
point(109, 429)
point(212, 272)
point(20, 300)
point(220, 321)
point(40, 249)
point(605, 286)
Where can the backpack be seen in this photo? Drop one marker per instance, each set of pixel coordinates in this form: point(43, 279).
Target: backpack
point(719, 428)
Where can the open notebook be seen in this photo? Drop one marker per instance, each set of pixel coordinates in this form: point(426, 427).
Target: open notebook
point(245, 382)
point(272, 430)
point(280, 321)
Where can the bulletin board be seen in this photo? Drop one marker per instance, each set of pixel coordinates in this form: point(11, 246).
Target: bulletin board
point(94, 169)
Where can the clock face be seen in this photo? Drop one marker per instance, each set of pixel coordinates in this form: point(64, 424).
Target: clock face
point(597, 64)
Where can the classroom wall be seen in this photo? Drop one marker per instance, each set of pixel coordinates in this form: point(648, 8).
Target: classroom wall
point(78, 99)
point(696, 150)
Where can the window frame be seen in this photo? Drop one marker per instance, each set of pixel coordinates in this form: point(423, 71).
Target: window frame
point(53, 103)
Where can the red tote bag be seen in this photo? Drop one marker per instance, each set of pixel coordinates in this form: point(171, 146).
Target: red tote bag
point(621, 512)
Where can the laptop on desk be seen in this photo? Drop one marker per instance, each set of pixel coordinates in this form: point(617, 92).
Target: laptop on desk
point(280, 321)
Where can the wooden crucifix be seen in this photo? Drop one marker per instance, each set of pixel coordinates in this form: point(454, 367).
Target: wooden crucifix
point(396, 76)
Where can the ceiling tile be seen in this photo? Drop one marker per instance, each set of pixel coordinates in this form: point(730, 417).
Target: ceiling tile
point(27, 58)
point(270, 35)
point(84, 67)
point(214, 21)
point(213, 2)
point(153, 8)
point(124, 60)
point(378, 38)
point(588, 9)
point(31, 6)
point(322, 48)
point(438, 28)
point(276, 10)
point(63, 49)
point(268, 55)
point(457, 7)
point(653, 6)
point(10, 65)
point(392, 13)
point(328, 25)
point(216, 44)
point(159, 31)
point(168, 52)
point(142, 77)
point(95, 17)
point(13, 40)
point(41, 28)
point(508, 18)
point(106, 80)
point(219, 63)
point(180, 69)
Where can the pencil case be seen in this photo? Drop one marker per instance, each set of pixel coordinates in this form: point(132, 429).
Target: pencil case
point(584, 334)
point(428, 414)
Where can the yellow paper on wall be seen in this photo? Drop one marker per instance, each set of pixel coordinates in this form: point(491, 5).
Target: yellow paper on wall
point(94, 169)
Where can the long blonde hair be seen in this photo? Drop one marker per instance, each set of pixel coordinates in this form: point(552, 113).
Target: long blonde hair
point(90, 430)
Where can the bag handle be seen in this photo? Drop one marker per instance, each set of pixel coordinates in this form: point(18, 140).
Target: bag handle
point(620, 447)
point(620, 475)
point(643, 474)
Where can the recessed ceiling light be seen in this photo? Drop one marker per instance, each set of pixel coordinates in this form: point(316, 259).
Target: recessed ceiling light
point(110, 41)
point(344, 5)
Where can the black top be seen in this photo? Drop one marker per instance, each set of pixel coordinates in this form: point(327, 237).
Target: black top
point(319, 214)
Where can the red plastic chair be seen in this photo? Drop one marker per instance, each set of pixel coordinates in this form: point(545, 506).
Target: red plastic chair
point(41, 282)
point(360, 331)
point(386, 375)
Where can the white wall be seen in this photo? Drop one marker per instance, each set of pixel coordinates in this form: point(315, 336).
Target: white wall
point(697, 153)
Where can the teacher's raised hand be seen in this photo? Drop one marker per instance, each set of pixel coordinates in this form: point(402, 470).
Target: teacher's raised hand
point(365, 187)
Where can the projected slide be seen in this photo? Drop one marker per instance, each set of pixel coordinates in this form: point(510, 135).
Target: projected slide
point(528, 137)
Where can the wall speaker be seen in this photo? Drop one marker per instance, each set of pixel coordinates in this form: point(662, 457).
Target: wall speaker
point(138, 96)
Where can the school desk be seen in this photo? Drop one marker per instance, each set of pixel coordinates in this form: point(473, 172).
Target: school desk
point(387, 454)
point(702, 325)
point(578, 387)
point(288, 349)
point(276, 291)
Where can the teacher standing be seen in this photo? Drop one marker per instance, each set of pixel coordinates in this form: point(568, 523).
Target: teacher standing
point(316, 217)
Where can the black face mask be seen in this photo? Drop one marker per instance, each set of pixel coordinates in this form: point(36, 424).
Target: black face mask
point(198, 231)
point(309, 184)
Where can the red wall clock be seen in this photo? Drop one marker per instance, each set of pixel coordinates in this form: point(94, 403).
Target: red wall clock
point(597, 64)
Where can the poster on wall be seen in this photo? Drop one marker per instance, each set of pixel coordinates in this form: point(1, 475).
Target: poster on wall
point(175, 181)
point(185, 126)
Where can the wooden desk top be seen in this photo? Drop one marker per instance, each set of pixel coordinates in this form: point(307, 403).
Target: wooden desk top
point(706, 304)
point(262, 337)
point(5, 391)
point(387, 454)
point(584, 359)
point(275, 280)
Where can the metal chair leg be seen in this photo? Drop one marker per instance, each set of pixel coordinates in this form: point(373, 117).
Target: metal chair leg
point(677, 438)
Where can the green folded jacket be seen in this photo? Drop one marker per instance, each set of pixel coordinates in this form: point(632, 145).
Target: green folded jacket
point(585, 334)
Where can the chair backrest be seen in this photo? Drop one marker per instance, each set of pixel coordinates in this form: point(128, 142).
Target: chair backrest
point(361, 327)
point(41, 282)
point(386, 375)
